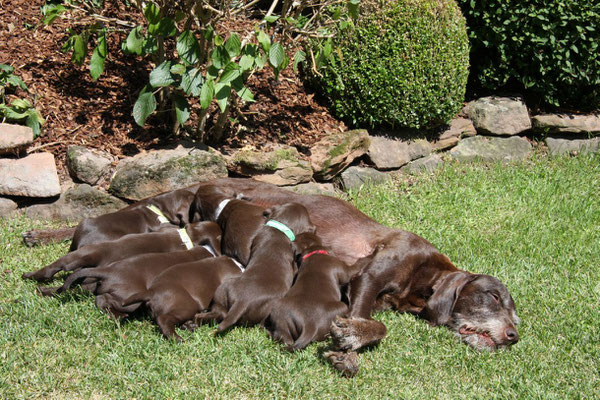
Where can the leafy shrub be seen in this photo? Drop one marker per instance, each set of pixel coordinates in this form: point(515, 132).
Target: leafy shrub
point(404, 64)
point(549, 48)
point(18, 110)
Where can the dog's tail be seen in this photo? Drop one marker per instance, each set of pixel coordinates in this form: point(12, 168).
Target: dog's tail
point(140, 297)
point(80, 275)
point(233, 316)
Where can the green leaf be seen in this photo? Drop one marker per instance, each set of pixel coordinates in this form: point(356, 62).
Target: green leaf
point(261, 61)
point(299, 57)
point(35, 121)
point(206, 94)
point(150, 45)
point(271, 18)
point(353, 8)
point(152, 13)
point(264, 41)
point(188, 48)
point(98, 58)
point(6, 68)
point(161, 75)
point(135, 41)
point(15, 81)
point(222, 93)
point(182, 108)
point(219, 57)
point(143, 107)
point(242, 91)
point(230, 72)
point(246, 62)
point(191, 82)
point(233, 45)
point(79, 50)
point(212, 73)
point(276, 55)
point(178, 69)
point(51, 12)
point(20, 104)
point(166, 28)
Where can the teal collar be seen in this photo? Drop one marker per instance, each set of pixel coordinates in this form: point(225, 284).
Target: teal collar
point(282, 227)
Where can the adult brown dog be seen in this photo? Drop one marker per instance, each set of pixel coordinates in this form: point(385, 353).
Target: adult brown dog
point(400, 270)
point(121, 279)
point(305, 313)
point(183, 290)
point(95, 255)
point(270, 269)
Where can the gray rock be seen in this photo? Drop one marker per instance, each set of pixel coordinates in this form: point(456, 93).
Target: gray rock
point(567, 123)
point(335, 152)
point(14, 138)
point(314, 188)
point(499, 115)
point(151, 173)
point(425, 164)
point(355, 177)
point(491, 149)
point(88, 165)
point(572, 146)
point(31, 176)
point(388, 153)
point(281, 166)
point(457, 129)
point(7, 206)
point(80, 201)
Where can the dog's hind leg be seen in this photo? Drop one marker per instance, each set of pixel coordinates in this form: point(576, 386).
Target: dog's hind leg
point(167, 324)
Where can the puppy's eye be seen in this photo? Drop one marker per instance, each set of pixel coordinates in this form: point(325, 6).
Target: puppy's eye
point(495, 297)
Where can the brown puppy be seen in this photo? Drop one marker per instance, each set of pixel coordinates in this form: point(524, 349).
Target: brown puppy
point(96, 255)
point(305, 313)
point(269, 273)
point(122, 279)
point(136, 218)
point(183, 290)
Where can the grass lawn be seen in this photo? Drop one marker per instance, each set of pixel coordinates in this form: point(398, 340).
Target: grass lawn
point(534, 225)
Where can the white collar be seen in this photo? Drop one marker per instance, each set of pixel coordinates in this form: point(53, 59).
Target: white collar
point(209, 248)
point(220, 208)
point(239, 264)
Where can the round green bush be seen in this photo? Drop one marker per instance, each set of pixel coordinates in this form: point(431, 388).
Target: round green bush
point(548, 49)
point(404, 64)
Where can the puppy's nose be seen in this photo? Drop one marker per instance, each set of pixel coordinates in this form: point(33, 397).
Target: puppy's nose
point(511, 335)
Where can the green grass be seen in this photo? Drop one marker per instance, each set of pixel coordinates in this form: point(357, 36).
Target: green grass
point(535, 226)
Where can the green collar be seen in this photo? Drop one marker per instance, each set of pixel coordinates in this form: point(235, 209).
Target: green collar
point(282, 227)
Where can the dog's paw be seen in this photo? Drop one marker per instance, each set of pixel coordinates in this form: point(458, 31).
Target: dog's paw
point(345, 363)
point(354, 333)
point(190, 325)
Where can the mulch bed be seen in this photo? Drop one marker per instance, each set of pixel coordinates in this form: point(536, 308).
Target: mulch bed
point(98, 114)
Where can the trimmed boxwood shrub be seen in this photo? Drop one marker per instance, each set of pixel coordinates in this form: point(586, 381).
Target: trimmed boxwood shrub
point(549, 48)
point(403, 64)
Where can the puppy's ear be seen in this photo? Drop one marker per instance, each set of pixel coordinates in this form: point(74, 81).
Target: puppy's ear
point(267, 213)
point(438, 309)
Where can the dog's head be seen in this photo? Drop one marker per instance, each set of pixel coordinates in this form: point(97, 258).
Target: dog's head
point(478, 308)
point(293, 215)
point(207, 200)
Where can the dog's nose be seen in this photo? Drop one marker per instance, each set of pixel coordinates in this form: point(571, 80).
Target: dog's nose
point(511, 335)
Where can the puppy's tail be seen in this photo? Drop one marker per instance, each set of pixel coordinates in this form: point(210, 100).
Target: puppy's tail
point(80, 275)
point(141, 297)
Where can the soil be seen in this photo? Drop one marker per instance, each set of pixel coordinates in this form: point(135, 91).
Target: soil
point(97, 114)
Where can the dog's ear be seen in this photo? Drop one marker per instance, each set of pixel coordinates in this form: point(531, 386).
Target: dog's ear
point(438, 309)
point(267, 213)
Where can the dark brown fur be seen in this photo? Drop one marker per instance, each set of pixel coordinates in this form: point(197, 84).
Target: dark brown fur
point(305, 313)
point(96, 255)
point(270, 270)
point(183, 290)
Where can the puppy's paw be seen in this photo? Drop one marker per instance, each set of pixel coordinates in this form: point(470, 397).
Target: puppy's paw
point(47, 291)
point(346, 363)
point(189, 325)
point(354, 333)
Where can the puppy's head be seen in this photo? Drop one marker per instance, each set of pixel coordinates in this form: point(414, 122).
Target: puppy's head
point(478, 308)
point(305, 243)
point(293, 215)
point(207, 201)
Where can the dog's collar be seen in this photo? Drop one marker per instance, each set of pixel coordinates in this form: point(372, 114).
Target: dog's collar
point(312, 253)
point(281, 227)
point(239, 264)
point(185, 238)
point(220, 208)
point(161, 217)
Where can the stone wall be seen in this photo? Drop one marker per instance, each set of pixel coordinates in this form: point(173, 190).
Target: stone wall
point(489, 129)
